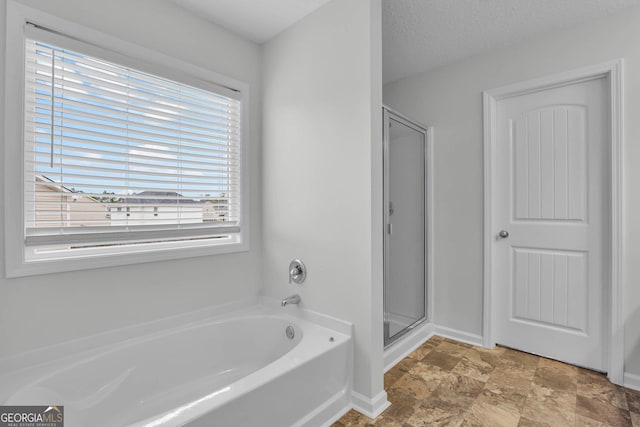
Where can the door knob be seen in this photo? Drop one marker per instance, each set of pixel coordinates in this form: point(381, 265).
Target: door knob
point(504, 234)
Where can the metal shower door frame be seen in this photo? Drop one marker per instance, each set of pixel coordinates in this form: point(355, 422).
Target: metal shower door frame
point(389, 114)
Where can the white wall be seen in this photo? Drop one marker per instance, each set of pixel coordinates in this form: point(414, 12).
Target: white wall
point(322, 151)
point(450, 99)
point(41, 310)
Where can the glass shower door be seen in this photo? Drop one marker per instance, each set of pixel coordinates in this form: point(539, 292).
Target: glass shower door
point(405, 226)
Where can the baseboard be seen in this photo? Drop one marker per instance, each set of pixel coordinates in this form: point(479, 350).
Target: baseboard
point(457, 335)
point(371, 407)
point(632, 381)
point(407, 344)
point(414, 339)
point(401, 349)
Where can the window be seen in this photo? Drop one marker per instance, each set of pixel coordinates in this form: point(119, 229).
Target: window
point(100, 135)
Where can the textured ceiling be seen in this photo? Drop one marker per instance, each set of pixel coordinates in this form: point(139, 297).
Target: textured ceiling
point(256, 20)
point(418, 35)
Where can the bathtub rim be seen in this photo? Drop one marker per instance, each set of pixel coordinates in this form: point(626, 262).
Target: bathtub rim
point(86, 345)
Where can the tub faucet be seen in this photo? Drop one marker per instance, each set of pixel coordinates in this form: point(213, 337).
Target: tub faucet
point(293, 299)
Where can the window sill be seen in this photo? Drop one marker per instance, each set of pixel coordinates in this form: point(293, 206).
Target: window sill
point(19, 268)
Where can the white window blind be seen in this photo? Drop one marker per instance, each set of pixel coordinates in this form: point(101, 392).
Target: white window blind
point(116, 156)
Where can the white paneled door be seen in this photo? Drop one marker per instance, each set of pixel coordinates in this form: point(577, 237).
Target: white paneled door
point(549, 221)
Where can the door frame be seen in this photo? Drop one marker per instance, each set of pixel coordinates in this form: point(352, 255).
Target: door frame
point(428, 208)
point(613, 327)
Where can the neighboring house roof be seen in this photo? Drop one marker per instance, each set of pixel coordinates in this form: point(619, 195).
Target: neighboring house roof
point(58, 188)
point(146, 197)
point(160, 198)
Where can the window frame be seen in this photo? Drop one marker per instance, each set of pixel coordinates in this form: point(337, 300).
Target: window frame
point(129, 55)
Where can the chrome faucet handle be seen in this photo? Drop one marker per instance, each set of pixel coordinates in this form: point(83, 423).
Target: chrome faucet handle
point(297, 271)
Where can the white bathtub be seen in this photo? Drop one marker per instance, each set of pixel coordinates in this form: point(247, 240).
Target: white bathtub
point(238, 369)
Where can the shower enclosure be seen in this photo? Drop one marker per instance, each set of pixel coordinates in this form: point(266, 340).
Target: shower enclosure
point(405, 266)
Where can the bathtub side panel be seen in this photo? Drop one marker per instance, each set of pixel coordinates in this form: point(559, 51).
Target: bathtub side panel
point(290, 398)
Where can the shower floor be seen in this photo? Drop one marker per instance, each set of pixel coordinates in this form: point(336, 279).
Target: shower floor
point(397, 323)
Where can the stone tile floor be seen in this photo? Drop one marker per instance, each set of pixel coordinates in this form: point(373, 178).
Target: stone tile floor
point(447, 383)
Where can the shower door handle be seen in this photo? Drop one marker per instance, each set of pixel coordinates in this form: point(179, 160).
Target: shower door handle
point(390, 228)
